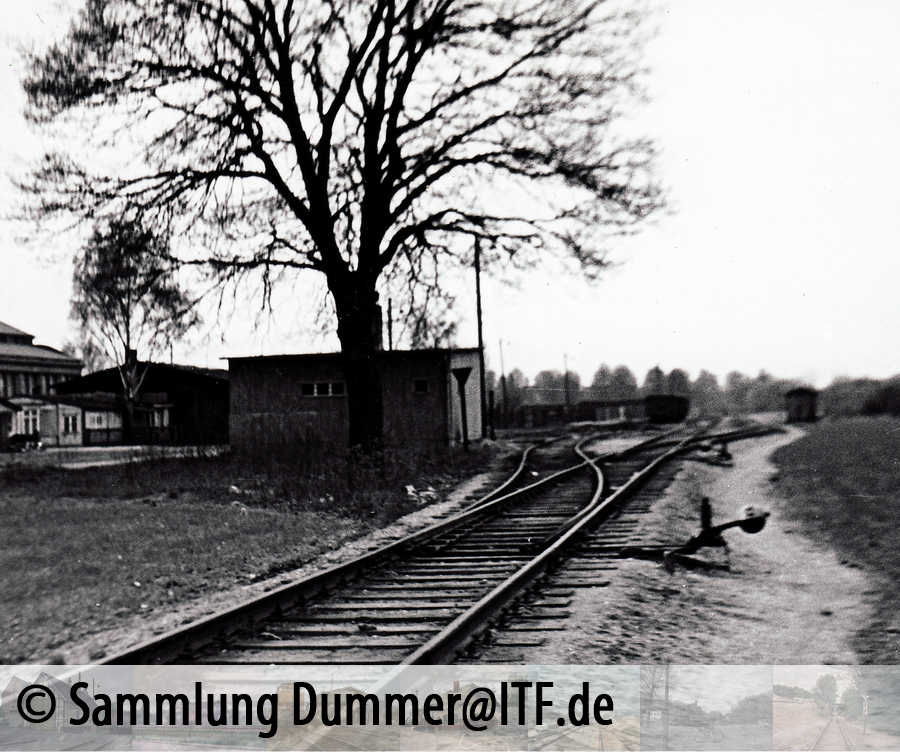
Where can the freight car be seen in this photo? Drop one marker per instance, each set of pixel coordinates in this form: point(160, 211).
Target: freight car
point(666, 408)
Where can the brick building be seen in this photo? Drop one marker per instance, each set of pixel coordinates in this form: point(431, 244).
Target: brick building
point(284, 401)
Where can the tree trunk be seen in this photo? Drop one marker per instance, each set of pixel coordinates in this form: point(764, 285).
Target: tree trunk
point(129, 394)
point(128, 421)
point(359, 330)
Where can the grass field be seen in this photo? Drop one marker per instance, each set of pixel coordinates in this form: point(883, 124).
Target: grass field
point(83, 550)
point(842, 481)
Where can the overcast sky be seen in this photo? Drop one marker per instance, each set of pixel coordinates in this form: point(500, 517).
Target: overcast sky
point(778, 128)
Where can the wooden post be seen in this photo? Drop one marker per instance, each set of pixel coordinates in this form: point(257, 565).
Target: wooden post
point(505, 413)
point(390, 324)
point(480, 337)
point(666, 727)
point(462, 375)
point(491, 413)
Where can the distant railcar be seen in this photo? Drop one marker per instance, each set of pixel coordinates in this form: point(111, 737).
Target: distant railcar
point(666, 408)
point(800, 404)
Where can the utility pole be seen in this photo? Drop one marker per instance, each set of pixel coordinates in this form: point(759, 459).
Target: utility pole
point(503, 384)
point(566, 377)
point(484, 431)
point(666, 727)
point(390, 323)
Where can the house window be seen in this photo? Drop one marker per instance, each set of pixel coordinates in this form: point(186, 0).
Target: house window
point(337, 388)
point(420, 386)
point(70, 424)
point(308, 390)
point(159, 418)
point(322, 389)
point(31, 421)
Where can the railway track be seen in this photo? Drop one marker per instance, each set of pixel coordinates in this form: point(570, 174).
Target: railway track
point(425, 597)
point(832, 736)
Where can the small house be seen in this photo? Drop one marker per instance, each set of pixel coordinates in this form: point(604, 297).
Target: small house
point(177, 404)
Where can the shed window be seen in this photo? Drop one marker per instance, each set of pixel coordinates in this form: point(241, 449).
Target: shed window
point(323, 389)
point(420, 386)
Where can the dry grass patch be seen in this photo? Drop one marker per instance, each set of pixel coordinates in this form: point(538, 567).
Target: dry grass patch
point(843, 483)
point(84, 550)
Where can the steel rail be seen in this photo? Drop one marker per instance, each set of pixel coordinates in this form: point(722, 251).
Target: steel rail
point(252, 610)
point(465, 627)
point(257, 609)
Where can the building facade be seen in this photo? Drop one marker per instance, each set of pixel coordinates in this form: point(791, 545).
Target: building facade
point(27, 369)
point(177, 405)
point(283, 401)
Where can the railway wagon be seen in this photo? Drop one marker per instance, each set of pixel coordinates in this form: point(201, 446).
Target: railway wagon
point(666, 408)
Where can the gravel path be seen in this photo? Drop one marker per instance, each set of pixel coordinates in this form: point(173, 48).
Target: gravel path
point(787, 599)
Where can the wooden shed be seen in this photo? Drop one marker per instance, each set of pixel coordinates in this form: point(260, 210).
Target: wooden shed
point(282, 402)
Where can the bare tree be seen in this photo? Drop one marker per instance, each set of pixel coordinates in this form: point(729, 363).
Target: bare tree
point(126, 299)
point(357, 140)
point(678, 382)
point(706, 394)
point(623, 384)
point(91, 355)
point(602, 382)
point(654, 382)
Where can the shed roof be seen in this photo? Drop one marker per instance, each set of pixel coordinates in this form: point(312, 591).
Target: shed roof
point(32, 353)
point(311, 357)
point(159, 376)
point(7, 329)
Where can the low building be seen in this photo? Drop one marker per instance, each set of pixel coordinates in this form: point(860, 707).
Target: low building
point(655, 408)
point(284, 401)
point(800, 404)
point(52, 422)
point(177, 405)
point(611, 411)
point(27, 369)
point(7, 414)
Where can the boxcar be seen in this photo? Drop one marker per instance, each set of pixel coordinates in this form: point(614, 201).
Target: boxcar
point(666, 408)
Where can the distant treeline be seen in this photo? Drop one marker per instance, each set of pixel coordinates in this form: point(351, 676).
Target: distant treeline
point(739, 394)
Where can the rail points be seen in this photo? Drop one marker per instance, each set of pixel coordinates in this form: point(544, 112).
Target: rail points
point(423, 599)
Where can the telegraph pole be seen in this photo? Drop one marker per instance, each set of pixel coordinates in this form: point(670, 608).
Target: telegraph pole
point(484, 431)
point(566, 377)
point(390, 325)
point(503, 384)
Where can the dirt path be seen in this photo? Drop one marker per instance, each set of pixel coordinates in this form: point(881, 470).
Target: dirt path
point(787, 599)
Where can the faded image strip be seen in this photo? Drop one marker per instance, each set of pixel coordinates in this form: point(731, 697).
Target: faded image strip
point(836, 707)
point(706, 707)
